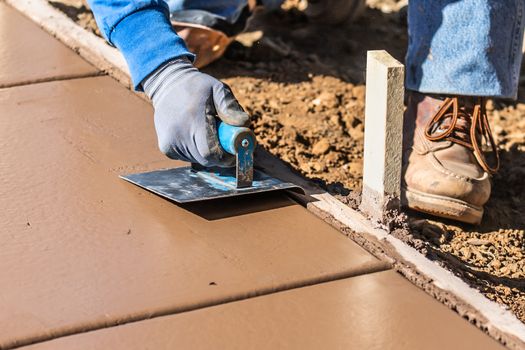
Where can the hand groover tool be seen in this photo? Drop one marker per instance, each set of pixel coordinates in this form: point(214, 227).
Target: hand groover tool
point(196, 183)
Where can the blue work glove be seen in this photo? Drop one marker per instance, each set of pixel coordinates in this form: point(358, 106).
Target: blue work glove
point(187, 104)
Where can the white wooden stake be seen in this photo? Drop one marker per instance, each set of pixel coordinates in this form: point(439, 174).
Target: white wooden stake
point(383, 134)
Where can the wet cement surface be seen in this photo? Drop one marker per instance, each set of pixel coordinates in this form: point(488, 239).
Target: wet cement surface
point(28, 54)
point(303, 85)
point(83, 249)
point(374, 311)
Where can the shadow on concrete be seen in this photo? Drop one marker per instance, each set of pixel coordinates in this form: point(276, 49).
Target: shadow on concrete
point(217, 209)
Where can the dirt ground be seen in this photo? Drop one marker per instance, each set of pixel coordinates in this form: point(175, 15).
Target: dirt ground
point(304, 86)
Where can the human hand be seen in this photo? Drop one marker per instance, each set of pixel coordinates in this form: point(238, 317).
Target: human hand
point(187, 104)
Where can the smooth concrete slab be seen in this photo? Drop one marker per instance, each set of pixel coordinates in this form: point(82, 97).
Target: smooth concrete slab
point(83, 249)
point(28, 54)
point(375, 311)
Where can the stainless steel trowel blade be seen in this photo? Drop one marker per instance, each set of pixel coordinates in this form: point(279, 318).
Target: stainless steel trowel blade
point(184, 185)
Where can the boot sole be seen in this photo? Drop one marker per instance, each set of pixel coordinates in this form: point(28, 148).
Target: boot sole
point(444, 207)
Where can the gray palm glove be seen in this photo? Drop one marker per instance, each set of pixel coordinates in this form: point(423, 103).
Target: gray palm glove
point(187, 104)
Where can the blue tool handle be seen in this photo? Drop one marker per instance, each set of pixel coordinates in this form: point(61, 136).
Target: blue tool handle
point(231, 137)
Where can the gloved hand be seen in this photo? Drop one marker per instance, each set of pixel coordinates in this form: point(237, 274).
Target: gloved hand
point(187, 104)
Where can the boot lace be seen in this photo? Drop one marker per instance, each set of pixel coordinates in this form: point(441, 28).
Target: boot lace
point(455, 124)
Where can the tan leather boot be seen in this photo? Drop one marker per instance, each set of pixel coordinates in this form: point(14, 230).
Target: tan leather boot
point(207, 35)
point(445, 171)
point(206, 43)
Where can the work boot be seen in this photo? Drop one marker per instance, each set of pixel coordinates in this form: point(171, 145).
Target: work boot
point(445, 170)
point(208, 35)
point(334, 11)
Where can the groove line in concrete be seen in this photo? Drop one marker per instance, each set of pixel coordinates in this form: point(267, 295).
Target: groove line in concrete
point(197, 306)
point(51, 79)
point(92, 48)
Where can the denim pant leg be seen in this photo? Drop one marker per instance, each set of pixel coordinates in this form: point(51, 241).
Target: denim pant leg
point(465, 47)
point(230, 10)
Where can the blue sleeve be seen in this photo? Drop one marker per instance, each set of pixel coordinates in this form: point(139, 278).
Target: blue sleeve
point(141, 30)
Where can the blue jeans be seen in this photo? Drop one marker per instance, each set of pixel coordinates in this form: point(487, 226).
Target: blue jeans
point(229, 10)
point(463, 47)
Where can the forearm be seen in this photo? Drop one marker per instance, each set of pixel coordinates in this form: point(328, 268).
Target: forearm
point(141, 30)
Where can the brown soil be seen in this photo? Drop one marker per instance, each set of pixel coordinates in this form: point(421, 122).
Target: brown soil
point(304, 86)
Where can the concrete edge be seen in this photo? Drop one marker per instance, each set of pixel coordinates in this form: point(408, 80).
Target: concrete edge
point(440, 283)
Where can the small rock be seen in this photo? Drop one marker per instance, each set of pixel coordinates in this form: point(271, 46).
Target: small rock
point(328, 99)
point(496, 264)
point(477, 242)
point(356, 133)
point(355, 167)
point(305, 167)
point(321, 147)
point(249, 38)
point(331, 158)
point(317, 167)
point(359, 92)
